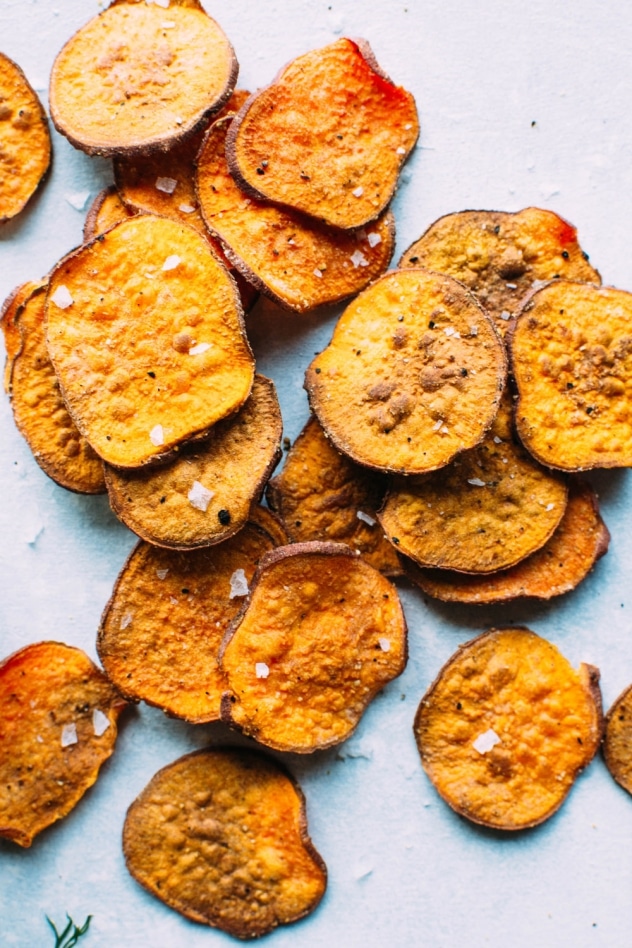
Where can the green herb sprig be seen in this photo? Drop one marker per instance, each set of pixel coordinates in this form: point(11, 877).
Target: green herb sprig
point(71, 933)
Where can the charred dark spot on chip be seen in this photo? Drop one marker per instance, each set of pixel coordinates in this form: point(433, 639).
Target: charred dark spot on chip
point(224, 517)
point(152, 375)
point(565, 254)
point(414, 259)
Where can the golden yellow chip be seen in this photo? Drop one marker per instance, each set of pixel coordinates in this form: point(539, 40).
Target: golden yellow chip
point(559, 566)
point(205, 495)
point(10, 329)
point(106, 210)
point(58, 715)
point(26, 149)
point(296, 261)
point(322, 495)
point(145, 330)
point(501, 256)
point(327, 138)
point(571, 353)
point(160, 633)
point(221, 837)
point(412, 376)
point(617, 741)
point(321, 634)
point(506, 727)
point(124, 83)
point(489, 509)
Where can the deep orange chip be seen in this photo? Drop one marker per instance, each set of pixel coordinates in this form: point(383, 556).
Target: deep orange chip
point(322, 495)
point(221, 837)
point(617, 740)
point(296, 261)
point(26, 149)
point(412, 376)
point(106, 210)
point(559, 566)
point(506, 727)
point(205, 495)
point(322, 632)
point(271, 523)
point(145, 330)
point(58, 716)
point(327, 138)
point(124, 83)
point(10, 328)
point(160, 633)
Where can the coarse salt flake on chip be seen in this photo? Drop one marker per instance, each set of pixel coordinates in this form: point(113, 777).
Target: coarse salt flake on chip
point(157, 435)
point(61, 297)
point(238, 584)
point(171, 262)
point(485, 741)
point(200, 496)
point(69, 735)
point(199, 348)
point(262, 670)
point(100, 722)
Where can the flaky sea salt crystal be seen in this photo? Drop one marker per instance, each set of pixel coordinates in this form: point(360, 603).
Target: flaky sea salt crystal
point(172, 262)
point(200, 496)
point(371, 521)
point(126, 620)
point(473, 330)
point(238, 584)
point(358, 192)
point(61, 297)
point(199, 348)
point(401, 150)
point(318, 273)
point(476, 481)
point(157, 435)
point(162, 573)
point(549, 506)
point(374, 239)
point(497, 440)
point(358, 259)
point(505, 313)
point(485, 741)
point(186, 208)
point(261, 670)
point(69, 735)
point(437, 425)
point(385, 644)
point(167, 185)
point(100, 722)
point(449, 331)
point(78, 199)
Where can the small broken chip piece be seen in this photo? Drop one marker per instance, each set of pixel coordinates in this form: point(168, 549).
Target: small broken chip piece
point(500, 256)
point(58, 716)
point(180, 504)
point(487, 510)
point(617, 740)
point(316, 617)
point(124, 85)
point(412, 376)
point(160, 633)
point(121, 331)
point(106, 210)
point(571, 355)
point(220, 835)
point(328, 137)
point(296, 261)
point(322, 495)
point(26, 148)
point(506, 727)
point(559, 566)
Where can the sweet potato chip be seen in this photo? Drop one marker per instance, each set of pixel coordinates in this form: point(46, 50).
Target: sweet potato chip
point(146, 334)
point(500, 256)
point(26, 149)
point(58, 716)
point(138, 78)
point(486, 511)
point(221, 836)
point(106, 210)
point(412, 376)
point(321, 634)
point(322, 495)
point(559, 566)
point(617, 740)
point(296, 261)
point(506, 727)
point(10, 328)
point(160, 633)
point(38, 408)
point(327, 138)
point(270, 523)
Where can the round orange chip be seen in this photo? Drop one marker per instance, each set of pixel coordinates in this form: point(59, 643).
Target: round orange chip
point(617, 740)
point(106, 210)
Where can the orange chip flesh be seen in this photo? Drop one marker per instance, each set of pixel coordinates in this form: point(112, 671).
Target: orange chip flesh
point(221, 837)
point(506, 727)
point(327, 138)
point(145, 330)
point(58, 717)
point(500, 255)
point(322, 495)
point(486, 511)
point(123, 84)
point(559, 566)
point(160, 633)
point(617, 740)
point(10, 329)
point(321, 634)
point(412, 376)
point(106, 210)
point(571, 354)
point(39, 411)
point(271, 523)
point(205, 495)
point(296, 261)
point(26, 148)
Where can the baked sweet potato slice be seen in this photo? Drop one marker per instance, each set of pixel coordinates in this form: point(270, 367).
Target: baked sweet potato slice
point(10, 329)
point(145, 330)
point(160, 633)
point(106, 210)
point(327, 138)
point(486, 511)
point(617, 740)
point(205, 495)
point(124, 83)
point(271, 523)
point(221, 836)
point(571, 354)
point(500, 255)
point(506, 727)
point(58, 717)
point(26, 149)
point(559, 566)
point(412, 376)
point(322, 632)
point(296, 261)
point(39, 410)
point(322, 495)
